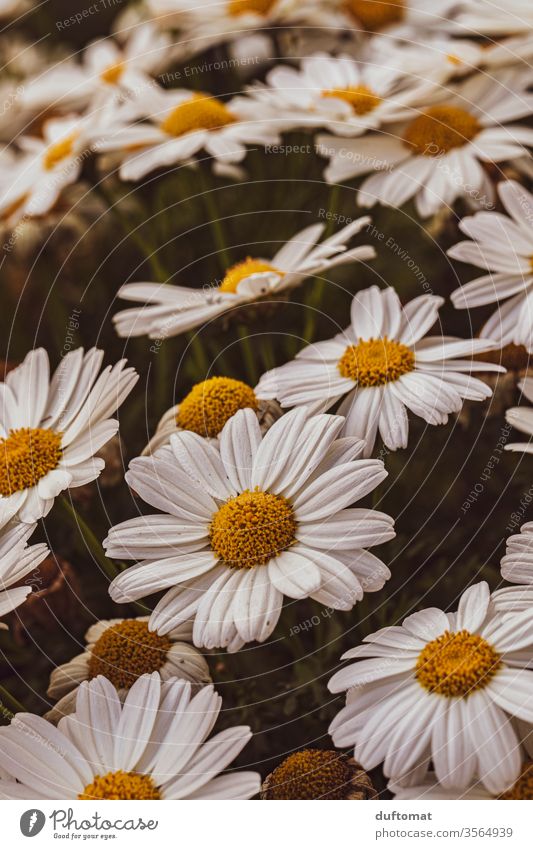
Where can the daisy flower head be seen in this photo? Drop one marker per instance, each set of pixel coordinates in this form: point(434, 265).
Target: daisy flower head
point(152, 746)
point(122, 650)
point(497, 18)
point(17, 561)
point(442, 687)
point(248, 520)
point(502, 245)
point(170, 310)
point(517, 568)
point(52, 427)
point(429, 789)
point(439, 154)
point(317, 774)
point(382, 365)
point(386, 15)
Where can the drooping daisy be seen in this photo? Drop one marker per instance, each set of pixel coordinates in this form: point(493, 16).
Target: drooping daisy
point(248, 520)
point(503, 246)
point(497, 18)
point(522, 418)
point(153, 746)
point(17, 560)
point(170, 310)
point(122, 650)
point(430, 788)
point(382, 365)
point(51, 428)
point(317, 774)
point(207, 408)
point(439, 154)
point(442, 687)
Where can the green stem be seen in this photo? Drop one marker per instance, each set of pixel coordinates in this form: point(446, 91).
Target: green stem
point(319, 284)
point(214, 220)
point(5, 695)
point(90, 540)
point(248, 354)
point(201, 360)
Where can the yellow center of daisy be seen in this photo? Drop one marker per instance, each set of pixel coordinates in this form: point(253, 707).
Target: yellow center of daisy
point(200, 112)
point(251, 528)
point(121, 785)
point(361, 98)
point(523, 787)
point(55, 154)
point(243, 7)
point(375, 14)
point(113, 73)
point(441, 129)
point(27, 455)
point(311, 774)
point(456, 664)
point(244, 269)
point(374, 362)
point(210, 404)
point(127, 650)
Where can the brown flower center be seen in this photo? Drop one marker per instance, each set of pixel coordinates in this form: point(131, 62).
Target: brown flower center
point(121, 785)
point(113, 73)
point(210, 404)
point(441, 129)
point(311, 774)
point(361, 98)
point(27, 455)
point(456, 664)
point(523, 786)
point(244, 269)
point(127, 650)
point(200, 112)
point(58, 151)
point(374, 362)
point(376, 14)
point(243, 7)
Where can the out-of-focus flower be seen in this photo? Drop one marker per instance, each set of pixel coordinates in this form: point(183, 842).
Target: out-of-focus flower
point(153, 746)
point(170, 310)
point(248, 520)
point(318, 774)
point(497, 18)
point(17, 561)
point(379, 15)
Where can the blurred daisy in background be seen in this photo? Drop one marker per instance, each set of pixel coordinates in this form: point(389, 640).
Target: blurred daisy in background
point(382, 365)
point(17, 561)
point(503, 245)
point(169, 310)
point(442, 687)
point(153, 746)
point(384, 15)
point(122, 650)
point(247, 521)
point(52, 427)
point(497, 18)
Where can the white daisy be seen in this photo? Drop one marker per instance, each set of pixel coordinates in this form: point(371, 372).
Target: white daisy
point(122, 650)
point(170, 310)
point(503, 245)
point(51, 428)
point(440, 154)
point(497, 17)
point(386, 15)
point(382, 365)
point(441, 687)
point(430, 789)
point(436, 56)
point(517, 568)
point(248, 520)
point(17, 560)
point(154, 746)
point(159, 128)
point(522, 418)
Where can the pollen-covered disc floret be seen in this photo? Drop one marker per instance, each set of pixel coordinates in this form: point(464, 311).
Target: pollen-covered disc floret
point(121, 785)
point(211, 403)
point(523, 788)
point(310, 774)
point(126, 651)
point(441, 129)
point(374, 362)
point(361, 98)
point(373, 14)
point(27, 455)
point(200, 112)
point(456, 664)
point(245, 7)
point(251, 528)
point(59, 151)
point(244, 269)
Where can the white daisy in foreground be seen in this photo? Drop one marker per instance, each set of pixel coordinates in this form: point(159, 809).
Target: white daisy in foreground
point(497, 17)
point(503, 246)
point(51, 428)
point(382, 365)
point(522, 418)
point(154, 746)
point(169, 310)
point(439, 155)
point(17, 560)
point(441, 687)
point(248, 520)
point(160, 128)
point(122, 650)
point(430, 788)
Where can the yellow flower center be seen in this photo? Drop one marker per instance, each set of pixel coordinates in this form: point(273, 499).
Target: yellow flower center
point(456, 664)
point(113, 73)
point(453, 59)
point(127, 650)
point(361, 98)
point(244, 269)
point(376, 14)
point(251, 528)
point(59, 151)
point(441, 129)
point(200, 112)
point(311, 774)
point(374, 362)
point(523, 786)
point(210, 404)
point(243, 7)
point(121, 785)
point(27, 455)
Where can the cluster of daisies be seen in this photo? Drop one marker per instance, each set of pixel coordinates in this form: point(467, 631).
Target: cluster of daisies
point(248, 492)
